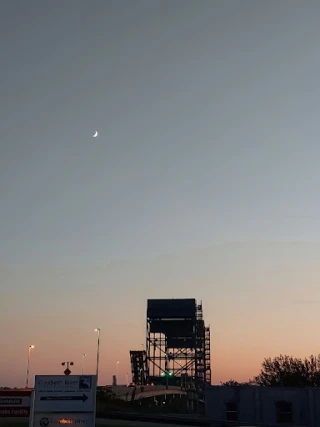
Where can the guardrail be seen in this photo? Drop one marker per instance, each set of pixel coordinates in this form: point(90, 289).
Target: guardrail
point(191, 420)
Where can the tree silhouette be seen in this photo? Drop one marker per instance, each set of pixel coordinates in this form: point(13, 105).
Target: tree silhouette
point(285, 371)
point(233, 383)
point(290, 372)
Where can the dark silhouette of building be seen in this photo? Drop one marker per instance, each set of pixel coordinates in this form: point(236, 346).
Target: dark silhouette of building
point(177, 343)
point(263, 406)
point(138, 367)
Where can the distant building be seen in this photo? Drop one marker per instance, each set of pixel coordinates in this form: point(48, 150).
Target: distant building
point(272, 406)
point(114, 380)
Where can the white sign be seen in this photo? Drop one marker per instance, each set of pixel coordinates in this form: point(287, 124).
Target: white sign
point(61, 383)
point(64, 399)
point(69, 401)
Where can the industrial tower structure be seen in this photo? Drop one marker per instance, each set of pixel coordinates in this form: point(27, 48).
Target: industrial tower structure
point(177, 344)
point(138, 367)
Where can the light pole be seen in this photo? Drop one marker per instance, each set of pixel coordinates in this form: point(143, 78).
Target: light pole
point(167, 367)
point(31, 347)
point(118, 372)
point(98, 352)
point(83, 357)
point(183, 376)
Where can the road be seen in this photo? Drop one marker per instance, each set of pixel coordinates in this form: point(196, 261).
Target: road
point(99, 421)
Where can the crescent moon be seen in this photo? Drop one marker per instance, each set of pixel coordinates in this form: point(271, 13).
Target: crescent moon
point(95, 134)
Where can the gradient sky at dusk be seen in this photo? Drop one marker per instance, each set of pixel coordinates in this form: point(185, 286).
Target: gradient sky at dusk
point(204, 181)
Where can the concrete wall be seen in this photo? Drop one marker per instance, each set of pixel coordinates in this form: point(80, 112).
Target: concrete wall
point(217, 397)
point(257, 405)
point(298, 397)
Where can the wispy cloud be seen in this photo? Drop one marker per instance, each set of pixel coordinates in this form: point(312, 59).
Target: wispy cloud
point(306, 302)
point(302, 217)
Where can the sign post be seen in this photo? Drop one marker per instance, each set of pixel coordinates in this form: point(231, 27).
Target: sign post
point(64, 399)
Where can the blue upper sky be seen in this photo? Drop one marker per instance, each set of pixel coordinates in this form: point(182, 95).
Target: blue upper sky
point(208, 120)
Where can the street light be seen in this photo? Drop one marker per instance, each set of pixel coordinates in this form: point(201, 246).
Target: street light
point(98, 351)
point(118, 372)
point(31, 347)
point(166, 366)
point(141, 376)
point(182, 375)
point(166, 374)
point(83, 356)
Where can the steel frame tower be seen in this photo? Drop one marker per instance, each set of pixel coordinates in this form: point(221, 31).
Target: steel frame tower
point(177, 343)
point(138, 367)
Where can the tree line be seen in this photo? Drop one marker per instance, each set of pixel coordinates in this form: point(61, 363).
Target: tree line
point(285, 371)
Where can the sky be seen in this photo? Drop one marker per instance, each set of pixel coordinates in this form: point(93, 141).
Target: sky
point(203, 182)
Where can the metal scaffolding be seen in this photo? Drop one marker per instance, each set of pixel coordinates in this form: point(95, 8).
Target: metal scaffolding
point(177, 344)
